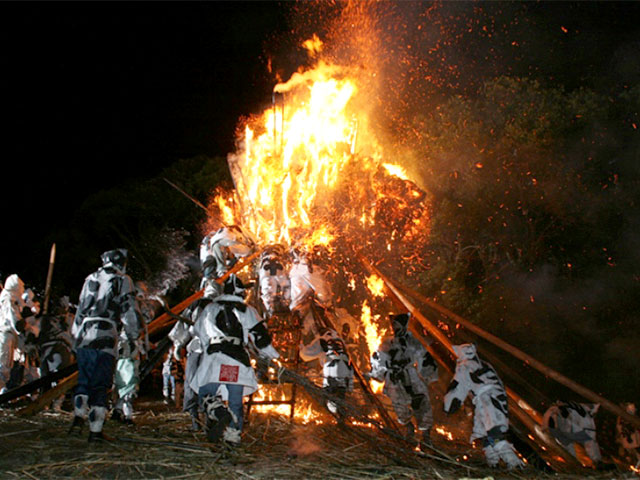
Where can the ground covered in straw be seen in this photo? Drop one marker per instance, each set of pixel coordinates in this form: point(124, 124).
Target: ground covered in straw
point(161, 446)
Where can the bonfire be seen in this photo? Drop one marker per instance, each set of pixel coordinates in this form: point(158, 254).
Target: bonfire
point(309, 174)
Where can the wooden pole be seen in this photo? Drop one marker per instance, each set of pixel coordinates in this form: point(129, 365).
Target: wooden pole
point(523, 411)
point(529, 360)
point(186, 195)
point(50, 395)
point(42, 382)
point(47, 287)
point(166, 319)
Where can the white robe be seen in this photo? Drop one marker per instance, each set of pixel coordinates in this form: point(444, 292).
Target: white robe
point(219, 367)
point(308, 280)
point(11, 304)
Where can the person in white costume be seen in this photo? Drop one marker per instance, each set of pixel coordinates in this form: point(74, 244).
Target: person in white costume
point(221, 249)
point(490, 421)
point(14, 302)
point(225, 331)
point(275, 286)
point(406, 368)
point(337, 371)
point(572, 422)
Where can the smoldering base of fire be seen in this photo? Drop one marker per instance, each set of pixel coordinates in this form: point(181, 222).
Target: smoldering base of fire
point(396, 446)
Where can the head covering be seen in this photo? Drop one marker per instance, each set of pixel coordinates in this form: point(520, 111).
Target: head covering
point(399, 323)
point(465, 351)
point(115, 259)
point(14, 285)
point(630, 407)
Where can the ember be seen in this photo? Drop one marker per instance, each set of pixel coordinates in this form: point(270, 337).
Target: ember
point(310, 173)
point(444, 432)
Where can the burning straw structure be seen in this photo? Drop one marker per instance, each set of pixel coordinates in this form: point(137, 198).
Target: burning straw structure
point(310, 174)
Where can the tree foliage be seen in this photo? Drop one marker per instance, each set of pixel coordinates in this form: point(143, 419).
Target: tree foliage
point(155, 222)
point(533, 191)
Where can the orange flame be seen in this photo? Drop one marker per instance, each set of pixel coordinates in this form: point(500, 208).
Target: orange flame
point(374, 338)
point(373, 335)
point(396, 171)
point(225, 205)
point(304, 412)
point(375, 285)
point(294, 152)
point(291, 158)
point(309, 171)
point(313, 45)
point(444, 432)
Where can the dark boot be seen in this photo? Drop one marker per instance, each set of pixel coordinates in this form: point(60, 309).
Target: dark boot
point(409, 431)
point(217, 427)
point(195, 424)
point(128, 422)
point(425, 440)
point(218, 417)
point(76, 426)
point(98, 437)
point(117, 416)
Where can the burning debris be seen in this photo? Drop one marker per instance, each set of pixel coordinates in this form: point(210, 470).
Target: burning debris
point(315, 193)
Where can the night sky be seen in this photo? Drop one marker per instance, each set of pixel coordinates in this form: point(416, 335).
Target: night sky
point(97, 92)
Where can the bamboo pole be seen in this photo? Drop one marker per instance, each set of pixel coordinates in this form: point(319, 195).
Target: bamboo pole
point(50, 395)
point(523, 411)
point(41, 382)
point(199, 204)
point(47, 287)
point(529, 360)
point(167, 319)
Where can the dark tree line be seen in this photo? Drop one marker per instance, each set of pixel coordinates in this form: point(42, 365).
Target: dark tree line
point(158, 225)
point(534, 192)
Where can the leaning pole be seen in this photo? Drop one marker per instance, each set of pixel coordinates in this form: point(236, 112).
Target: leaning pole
point(529, 360)
point(159, 323)
point(523, 411)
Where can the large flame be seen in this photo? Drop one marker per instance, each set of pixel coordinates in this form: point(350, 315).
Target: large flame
point(290, 168)
point(375, 285)
point(373, 333)
point(374, 336)
point(309, 171)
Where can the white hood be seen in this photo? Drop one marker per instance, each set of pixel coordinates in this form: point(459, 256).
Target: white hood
point(14, 285)
point(466, 351)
